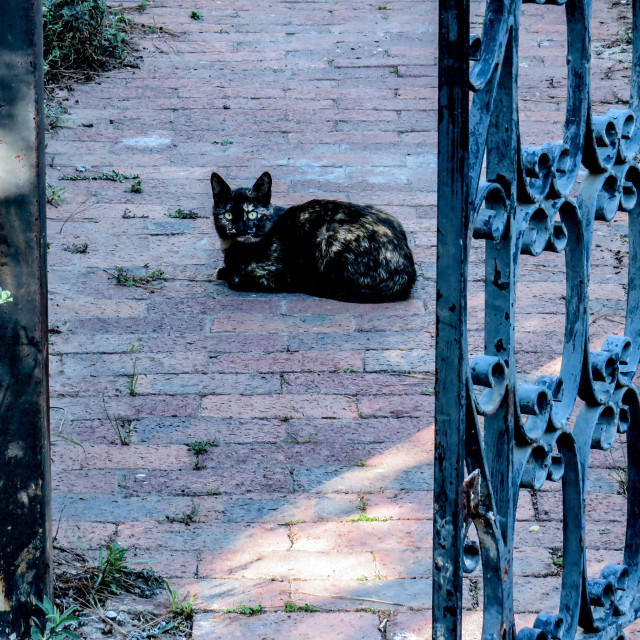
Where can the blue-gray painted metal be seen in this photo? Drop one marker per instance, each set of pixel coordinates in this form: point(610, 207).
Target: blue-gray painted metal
point(529, 201)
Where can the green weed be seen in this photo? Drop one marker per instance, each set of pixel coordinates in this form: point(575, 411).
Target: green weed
point(223, 143)
point(110, 176)
point(127, 279)
point(180, 606)
point(187, 518)
point(53, 628)
point(136, 187)
point(54, 116)
point(122, 428)
point(182, 214)
point(196, 15)
point(111, 570)
point(245, 610)
point(363, 517)
point(55, 194)
point(291, 607)
point(202, 446)
point(135, 376)
point(395, 71)
point(76, 247)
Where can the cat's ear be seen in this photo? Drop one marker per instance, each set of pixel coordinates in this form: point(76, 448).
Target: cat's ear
point(221, 190)
point(262, 187)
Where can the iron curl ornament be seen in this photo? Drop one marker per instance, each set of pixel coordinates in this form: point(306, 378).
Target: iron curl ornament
point(525, 200)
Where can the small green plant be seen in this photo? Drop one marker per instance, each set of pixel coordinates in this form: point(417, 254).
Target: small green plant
point(222, 30)
point(143, 5)
point(55, 621)
point(127, 215)
point(182, 214)
point(362, 579)
point(112, 565)
point(54, 116)
point(180, 606)
point(196, 15)
point(122, 428)
point(76, 247)
point(55, 194)
point(246, 610)
point(202, 446)
point(395, 71)
point(347, 370)
point(383, 7)
point(291, 607)
point(199, 448)
point(363, 517)
point(136, 187)
point(290, 523)
point(428, 391)
point(135, 376)
point(110, 176)
point(187, 518)
point(223, 143)
point(128, 279)
point(214, 491)
point(5, 296)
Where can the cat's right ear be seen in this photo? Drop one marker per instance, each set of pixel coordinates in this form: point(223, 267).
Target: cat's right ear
point(221, 190)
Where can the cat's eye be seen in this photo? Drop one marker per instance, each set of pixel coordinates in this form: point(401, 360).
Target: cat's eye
point(228, 215)
point(252, 215)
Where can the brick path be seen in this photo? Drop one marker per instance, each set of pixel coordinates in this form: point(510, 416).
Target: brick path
point(316, 423)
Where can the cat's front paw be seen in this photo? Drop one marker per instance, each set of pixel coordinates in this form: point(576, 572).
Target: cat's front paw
point(234, 283)
point(222, 273)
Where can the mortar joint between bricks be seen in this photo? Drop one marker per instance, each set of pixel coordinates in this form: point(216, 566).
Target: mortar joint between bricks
point(534, 503)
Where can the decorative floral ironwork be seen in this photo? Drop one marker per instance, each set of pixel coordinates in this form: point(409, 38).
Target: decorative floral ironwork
point(531, 200)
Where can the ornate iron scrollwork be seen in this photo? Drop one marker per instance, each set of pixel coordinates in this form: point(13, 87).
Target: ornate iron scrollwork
point(530, 200)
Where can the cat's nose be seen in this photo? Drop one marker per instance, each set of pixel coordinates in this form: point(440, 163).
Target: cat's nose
point(241, 227)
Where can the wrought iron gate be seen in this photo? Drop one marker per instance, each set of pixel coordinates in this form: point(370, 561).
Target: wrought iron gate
point(514, 434)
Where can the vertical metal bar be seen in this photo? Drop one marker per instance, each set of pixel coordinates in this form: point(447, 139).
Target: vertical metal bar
point(25, 537)
point(451, 356)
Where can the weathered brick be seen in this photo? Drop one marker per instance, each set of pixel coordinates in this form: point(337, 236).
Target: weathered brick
point(273, 626)
point(289, 406)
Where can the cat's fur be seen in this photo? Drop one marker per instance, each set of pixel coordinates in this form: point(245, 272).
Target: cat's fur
point(325, 248)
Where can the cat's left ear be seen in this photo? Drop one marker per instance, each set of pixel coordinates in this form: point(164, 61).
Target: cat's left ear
point(262, 188)
point(220, 189)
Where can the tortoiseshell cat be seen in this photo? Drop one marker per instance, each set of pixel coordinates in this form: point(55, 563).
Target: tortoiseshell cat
point(324, 248)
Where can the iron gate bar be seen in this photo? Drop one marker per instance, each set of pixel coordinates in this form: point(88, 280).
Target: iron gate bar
point(25, 539)
point(525, 206)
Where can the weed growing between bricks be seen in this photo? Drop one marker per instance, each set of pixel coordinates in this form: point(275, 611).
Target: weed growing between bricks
point(86, 588)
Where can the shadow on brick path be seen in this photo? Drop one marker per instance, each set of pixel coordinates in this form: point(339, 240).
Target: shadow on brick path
point(323, 410)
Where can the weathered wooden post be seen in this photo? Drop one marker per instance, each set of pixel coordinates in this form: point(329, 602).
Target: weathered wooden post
point(25, 538)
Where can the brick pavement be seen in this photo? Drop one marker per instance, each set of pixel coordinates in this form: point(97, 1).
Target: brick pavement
point(316, 420)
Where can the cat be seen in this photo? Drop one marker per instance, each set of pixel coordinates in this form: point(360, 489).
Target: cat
point(325, 248)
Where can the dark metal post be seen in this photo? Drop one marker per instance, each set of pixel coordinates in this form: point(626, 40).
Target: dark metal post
point(451, 355)
point(25, 538)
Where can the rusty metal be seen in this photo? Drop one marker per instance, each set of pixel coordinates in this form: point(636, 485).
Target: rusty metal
point(520, 433)
point(25, 539)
